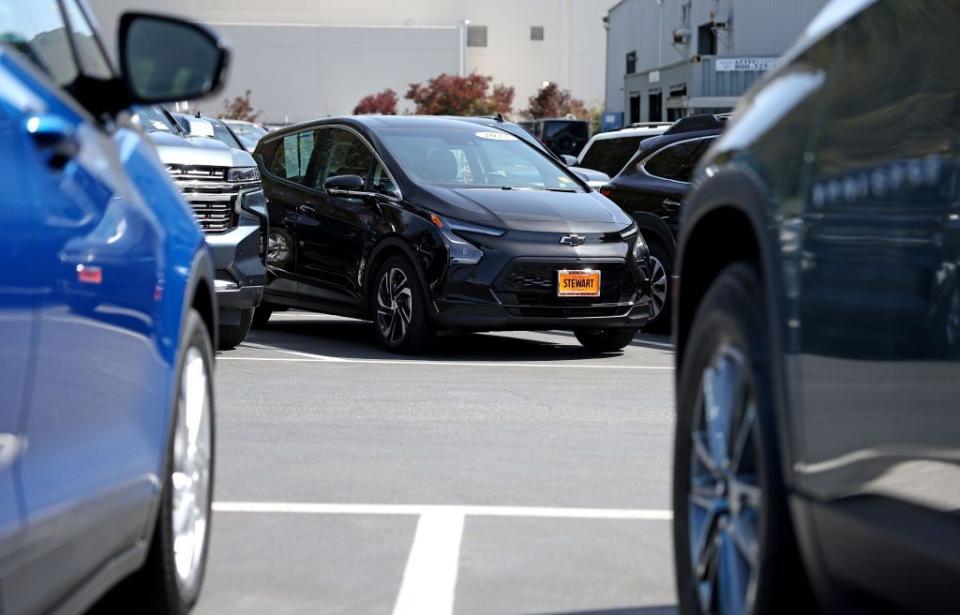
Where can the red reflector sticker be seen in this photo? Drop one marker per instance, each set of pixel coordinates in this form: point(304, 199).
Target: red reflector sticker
point(89, 274)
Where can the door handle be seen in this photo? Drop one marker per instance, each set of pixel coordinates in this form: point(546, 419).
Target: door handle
point(307, 209)
point(56, 137)
point(671, 204)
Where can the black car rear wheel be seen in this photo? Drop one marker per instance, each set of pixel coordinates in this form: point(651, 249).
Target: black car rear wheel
point(605, 340)
point(734, 545)
point(399, 308)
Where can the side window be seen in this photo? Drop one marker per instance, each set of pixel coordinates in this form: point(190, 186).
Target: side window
point(37, 31)
point(672, 162)
point(346, 154)
point(93, 63)
point(291, 158)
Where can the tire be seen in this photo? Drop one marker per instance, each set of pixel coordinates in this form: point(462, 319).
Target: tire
point(159, 587)
point(261, 316)
point(232, 335)
point(605, 340)
point(727, 345)
point(398, 304)
point(661, 268)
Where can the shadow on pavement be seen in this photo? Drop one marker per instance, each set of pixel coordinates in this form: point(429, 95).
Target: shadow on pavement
point(638, 610)
point(354, 339)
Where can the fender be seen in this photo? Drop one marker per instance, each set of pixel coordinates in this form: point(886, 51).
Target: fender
point(736, 188)
point(391, 242)
point(651, 226)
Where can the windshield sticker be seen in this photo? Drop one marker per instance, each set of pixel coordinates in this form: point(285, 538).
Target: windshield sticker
point(496, 136)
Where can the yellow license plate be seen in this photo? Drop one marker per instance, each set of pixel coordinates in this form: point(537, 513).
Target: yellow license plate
point(578, 283)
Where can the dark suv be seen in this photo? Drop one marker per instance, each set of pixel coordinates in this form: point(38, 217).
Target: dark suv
point(651, 187)
point(818, 431)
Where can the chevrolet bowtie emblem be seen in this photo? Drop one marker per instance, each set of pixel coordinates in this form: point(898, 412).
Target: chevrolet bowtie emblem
point(573, 240)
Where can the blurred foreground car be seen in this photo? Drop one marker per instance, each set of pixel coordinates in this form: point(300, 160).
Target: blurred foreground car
point(818, 437)
point(424, 224)
point(107, 319)
point(651, 187)
point(220, 180)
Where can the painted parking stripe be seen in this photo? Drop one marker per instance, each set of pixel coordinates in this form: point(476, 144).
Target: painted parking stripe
point(309, 508)
point(430, 577)
point(306, 357)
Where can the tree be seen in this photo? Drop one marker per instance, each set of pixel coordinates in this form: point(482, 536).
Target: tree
point(453, 95)
point(240, 108)
point(551, 101)
point(384, 103)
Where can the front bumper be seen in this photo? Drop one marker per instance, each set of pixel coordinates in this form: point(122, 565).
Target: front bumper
point(240, 274)
point(480, 317)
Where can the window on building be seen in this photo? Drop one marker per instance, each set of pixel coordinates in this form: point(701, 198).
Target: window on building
point(536, 33)
point(631, 62)
point(656, 106)
point(706, 40)
point(634, 109)
point(476, 36)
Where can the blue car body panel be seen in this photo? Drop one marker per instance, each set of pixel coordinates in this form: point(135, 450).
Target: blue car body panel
point(100, 256)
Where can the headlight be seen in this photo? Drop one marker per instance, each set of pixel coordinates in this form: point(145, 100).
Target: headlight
point(641, 252)
point(243, 174)
point(462, 252)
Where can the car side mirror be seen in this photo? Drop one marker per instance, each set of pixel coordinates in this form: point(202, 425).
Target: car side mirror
point(570, 161)
point(165, 59)
point(344, 184)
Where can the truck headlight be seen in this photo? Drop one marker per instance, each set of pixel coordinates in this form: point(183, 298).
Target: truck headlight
point(243, 174)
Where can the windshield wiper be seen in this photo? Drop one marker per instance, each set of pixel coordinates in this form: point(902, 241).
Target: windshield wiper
point(559, 189)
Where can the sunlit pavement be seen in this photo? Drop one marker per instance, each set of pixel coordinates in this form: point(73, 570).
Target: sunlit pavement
point(505, 473)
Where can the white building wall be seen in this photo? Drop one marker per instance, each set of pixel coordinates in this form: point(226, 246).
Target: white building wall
point(405, 41)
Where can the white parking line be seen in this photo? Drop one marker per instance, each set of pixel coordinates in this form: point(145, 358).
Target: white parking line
point(430, 578)
point(635, 514)
point(305, 357)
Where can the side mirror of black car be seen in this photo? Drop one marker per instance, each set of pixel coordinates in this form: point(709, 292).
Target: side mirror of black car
point(570, 161)
point(165, 59)
point(344, 184)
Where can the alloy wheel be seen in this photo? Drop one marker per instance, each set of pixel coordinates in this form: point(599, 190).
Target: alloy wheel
point(658, 287)
point(278, 250)
point(192, 449)
point(725, 498)
point(394, 305)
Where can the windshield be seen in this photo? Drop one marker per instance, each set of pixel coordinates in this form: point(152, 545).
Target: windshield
point(475, 157)
point(222, 134)
point(246, 131)
point(610, 155)
point(154, 119)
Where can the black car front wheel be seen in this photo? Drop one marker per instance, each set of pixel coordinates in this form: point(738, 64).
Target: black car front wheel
point(399, 307)
point(605, 340)
point(735, 552)
point(661, 268)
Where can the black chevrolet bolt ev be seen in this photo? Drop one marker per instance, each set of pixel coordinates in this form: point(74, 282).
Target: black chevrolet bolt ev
point(427, 224)
point(817, 454)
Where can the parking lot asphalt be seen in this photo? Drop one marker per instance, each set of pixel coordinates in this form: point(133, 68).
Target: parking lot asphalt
point(504, 473)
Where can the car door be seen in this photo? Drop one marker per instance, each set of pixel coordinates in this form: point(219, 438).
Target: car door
point(880, 306)
point(98, 381)
point(286, 183)
point(333, 230)
point(19, 289)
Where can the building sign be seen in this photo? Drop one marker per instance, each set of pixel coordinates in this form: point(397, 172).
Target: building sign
point(654, 76)
point(744, 65)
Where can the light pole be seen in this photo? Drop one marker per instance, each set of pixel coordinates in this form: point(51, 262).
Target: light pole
point(463, 47)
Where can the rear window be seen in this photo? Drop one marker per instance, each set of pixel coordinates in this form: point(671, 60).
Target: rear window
point(677, 162)
point(610, 155)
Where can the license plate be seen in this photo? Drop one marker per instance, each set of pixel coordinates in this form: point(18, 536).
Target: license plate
point(578, 283)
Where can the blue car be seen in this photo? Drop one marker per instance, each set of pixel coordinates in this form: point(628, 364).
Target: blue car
point(107, 318)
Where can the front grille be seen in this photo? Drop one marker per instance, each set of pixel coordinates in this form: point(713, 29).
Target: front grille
point(534, 284)
point(212, 198)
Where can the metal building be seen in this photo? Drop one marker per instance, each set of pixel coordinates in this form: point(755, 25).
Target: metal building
point(670, 58)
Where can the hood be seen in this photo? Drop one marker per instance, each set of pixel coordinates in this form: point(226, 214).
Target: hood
point(531, 210)
point(198, 151)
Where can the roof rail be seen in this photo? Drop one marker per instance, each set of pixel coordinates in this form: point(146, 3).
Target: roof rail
point(698, 122)
point(647, 124)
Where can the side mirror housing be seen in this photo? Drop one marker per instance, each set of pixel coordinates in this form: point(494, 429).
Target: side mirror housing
point(344, 184)
point(570, 161)
point(165, 59)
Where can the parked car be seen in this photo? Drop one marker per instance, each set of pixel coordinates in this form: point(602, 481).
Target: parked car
point(608, 152)
point(222, 184)
point(564, 137)
point(424, 224)
point(818, 442)
point(107, 318)
point(248, 132)
point(651, 187)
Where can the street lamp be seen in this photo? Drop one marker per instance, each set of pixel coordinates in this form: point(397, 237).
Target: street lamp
point(463, 47)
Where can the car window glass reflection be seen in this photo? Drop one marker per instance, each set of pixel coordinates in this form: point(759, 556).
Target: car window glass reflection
point(37, 31)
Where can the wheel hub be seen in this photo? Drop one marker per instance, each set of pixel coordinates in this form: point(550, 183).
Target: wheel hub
point(658, 287)
point(394, 305)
